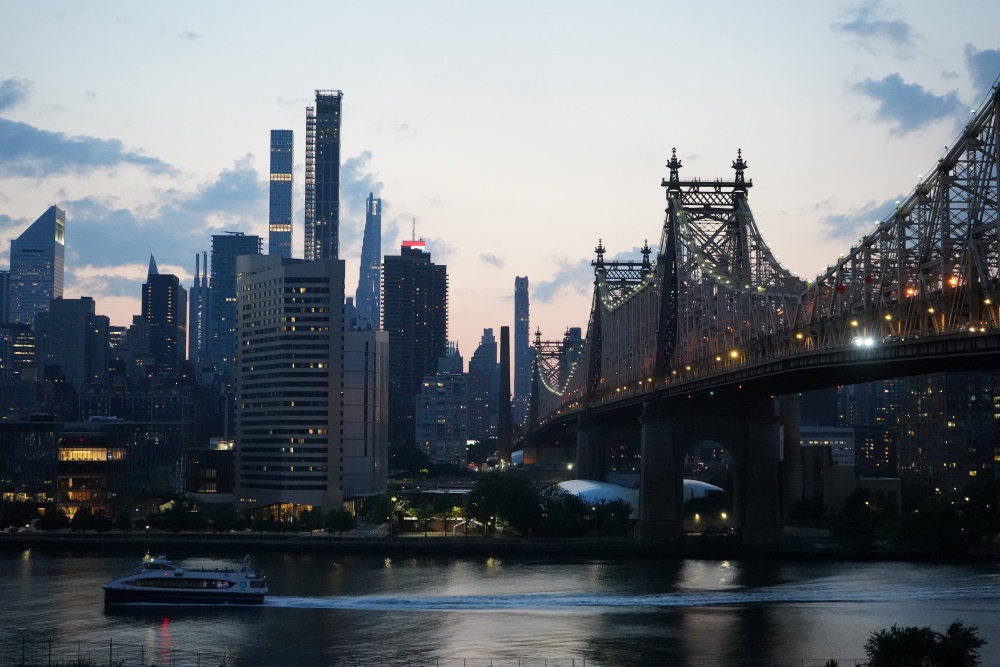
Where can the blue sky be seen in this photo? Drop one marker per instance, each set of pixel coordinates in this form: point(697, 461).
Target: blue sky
point(517, 134)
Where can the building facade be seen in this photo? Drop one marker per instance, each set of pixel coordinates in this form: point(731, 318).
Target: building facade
point(522, 351)
point(71, 337)
point(322, 224)
point(279, 227)
point(37, 265)
point(442, 418)
point(484, 389)
point(290, 383)
point(368, 298)
point(164, 310)
point(366, 413)
point(222, 322)
point(415, 314)
point(198, 312)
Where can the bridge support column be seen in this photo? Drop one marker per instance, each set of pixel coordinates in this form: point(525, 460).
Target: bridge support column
point(661, 494)
point(761, 493)
point(590, 449)
point(791, 458)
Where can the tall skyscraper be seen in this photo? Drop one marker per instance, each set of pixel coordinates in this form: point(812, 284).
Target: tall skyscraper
point(368, 298)
point(37, 263)
point(222, 296)
point(366, 413)
point(290, 384)
point(522, 351)
point(415, 314)
point(279, 240)
point(164, 310)
point(322, 229)
point(484, 388)
point(198, 312)
point(4, 281)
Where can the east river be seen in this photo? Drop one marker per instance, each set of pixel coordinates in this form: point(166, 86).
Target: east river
point(334, 609)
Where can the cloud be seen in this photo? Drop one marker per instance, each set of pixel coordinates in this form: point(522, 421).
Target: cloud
point(860, 220)
point(908, 106)
point(441, 251)
point(492, 260)
point(108, 242)
point(34, 153)
point(189, 35)
point(866, 24)
point(356, 182)
point(984, 67)
point(13, 92)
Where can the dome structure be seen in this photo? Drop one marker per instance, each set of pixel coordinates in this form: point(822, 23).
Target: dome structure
point(602, 492)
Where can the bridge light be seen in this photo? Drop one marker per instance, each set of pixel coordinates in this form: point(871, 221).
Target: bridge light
point(799, 335)
point(930, 310)
point(910, 291)
point(687, 368)
point(953, 281)
point(734, 354)
point(988, 301)
point(718, 358)
point(888, 317)
point(854, 323)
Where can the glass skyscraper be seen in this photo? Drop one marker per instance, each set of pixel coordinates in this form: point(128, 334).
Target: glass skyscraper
point(164, 309)
point(368, 298)
point(322, 228)
point(37, 264)
point(279, 241)
point(222, 322)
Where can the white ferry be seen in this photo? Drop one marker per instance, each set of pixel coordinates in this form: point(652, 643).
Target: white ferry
point(159, 581)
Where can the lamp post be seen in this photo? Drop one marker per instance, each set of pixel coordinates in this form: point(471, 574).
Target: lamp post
point(594, 509)
point(392, 515)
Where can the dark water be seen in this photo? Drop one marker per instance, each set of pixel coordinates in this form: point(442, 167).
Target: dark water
point(335, 609)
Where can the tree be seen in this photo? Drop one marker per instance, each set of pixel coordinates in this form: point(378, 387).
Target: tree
point(509, 497)
point(102, 521)
point(310, 519)
point(424, 513)
point(446, 509)
point(563, 514)
point(339, 520)
point(53, 520)
point(12, 515)
point(923, 647)
point(123, 521)
point(82, 520)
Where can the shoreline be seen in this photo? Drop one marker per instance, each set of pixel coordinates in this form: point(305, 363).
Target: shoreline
point(479, 546)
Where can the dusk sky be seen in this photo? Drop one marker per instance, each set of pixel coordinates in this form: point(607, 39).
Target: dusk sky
point(517, 134)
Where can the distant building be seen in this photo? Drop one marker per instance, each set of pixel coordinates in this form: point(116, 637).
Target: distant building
point(279, 240)
point(484, 389)
point(837, 440)
point(71, 337)
point(37, 265)
point(415, 314)
point(222, 321)
point(209, 472)
point(290, 385)
point(4, 282)
point(441, 418)
point(28, 452)
point(366, 413)
point(322, 224)
point(198, 315)
point(522, 351)
point(368, 298)
point(164, 310)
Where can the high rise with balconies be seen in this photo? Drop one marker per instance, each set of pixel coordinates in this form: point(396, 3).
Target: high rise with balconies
point(322, 224)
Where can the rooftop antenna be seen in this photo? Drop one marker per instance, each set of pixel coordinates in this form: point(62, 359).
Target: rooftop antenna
point(413, 230)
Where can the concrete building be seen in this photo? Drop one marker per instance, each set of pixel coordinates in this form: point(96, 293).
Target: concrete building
point(368, 298)
point(366, 413)
point(37, 265)
point(322, 224)
point(484, 389)
point(522, 351)
point(198, 312)
point(279, 225)
point(441, 418)
point(415, 314)
point(839, 442)
point(290, 385)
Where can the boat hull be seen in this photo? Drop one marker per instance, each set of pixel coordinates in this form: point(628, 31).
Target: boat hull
point(180, 596)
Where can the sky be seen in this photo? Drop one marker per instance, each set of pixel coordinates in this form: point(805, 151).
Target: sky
point(512, 136)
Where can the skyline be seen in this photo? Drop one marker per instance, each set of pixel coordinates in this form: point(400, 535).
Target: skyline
point(517, 139)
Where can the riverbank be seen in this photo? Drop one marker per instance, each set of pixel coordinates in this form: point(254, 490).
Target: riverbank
point(691, 547)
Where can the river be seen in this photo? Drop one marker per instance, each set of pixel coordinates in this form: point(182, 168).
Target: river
point(334, 609)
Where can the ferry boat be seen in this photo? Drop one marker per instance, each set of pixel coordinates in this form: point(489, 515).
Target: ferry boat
point(160, 581)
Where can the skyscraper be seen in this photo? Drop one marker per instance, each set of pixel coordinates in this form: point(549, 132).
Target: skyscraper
point(73, 338)
point(322, 229)
point(36, 266)
point(279, 240)
point(484, 388)
point(522, 351)
point(368, 298)
point(164, 310)
point(415, 314)
point(290, 384)
point(222, 296)
point(198, 312)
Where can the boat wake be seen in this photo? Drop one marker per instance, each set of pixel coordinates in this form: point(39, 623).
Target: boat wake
point(570, 601)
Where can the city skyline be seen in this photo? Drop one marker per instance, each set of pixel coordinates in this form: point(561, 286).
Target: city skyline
point(549, 133)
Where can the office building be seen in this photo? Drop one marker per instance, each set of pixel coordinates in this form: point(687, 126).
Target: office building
point(368, 298)
point(322, 224)
point(366, 413)
point(415, 314)
point(4, 282)
point(37, 264)
point(222, 297)
point(71, 338)
point(522, 351)
point(442, 418)
point(484, 389)
point(198, 312)
point(164, 311)
point(290, 382)
point(279, 228)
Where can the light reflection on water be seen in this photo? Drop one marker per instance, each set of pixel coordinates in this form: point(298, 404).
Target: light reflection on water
point(324, 607)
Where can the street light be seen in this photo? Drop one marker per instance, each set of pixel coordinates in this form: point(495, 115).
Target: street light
point(594, 510)
point(392, 515)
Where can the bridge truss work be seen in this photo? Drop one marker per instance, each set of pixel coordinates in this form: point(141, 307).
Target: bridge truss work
point(716, 298)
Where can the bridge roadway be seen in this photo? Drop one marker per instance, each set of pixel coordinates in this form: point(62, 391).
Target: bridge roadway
point(752, 410)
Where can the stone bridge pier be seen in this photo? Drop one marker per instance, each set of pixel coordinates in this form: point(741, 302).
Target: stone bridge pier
point(751, 432)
